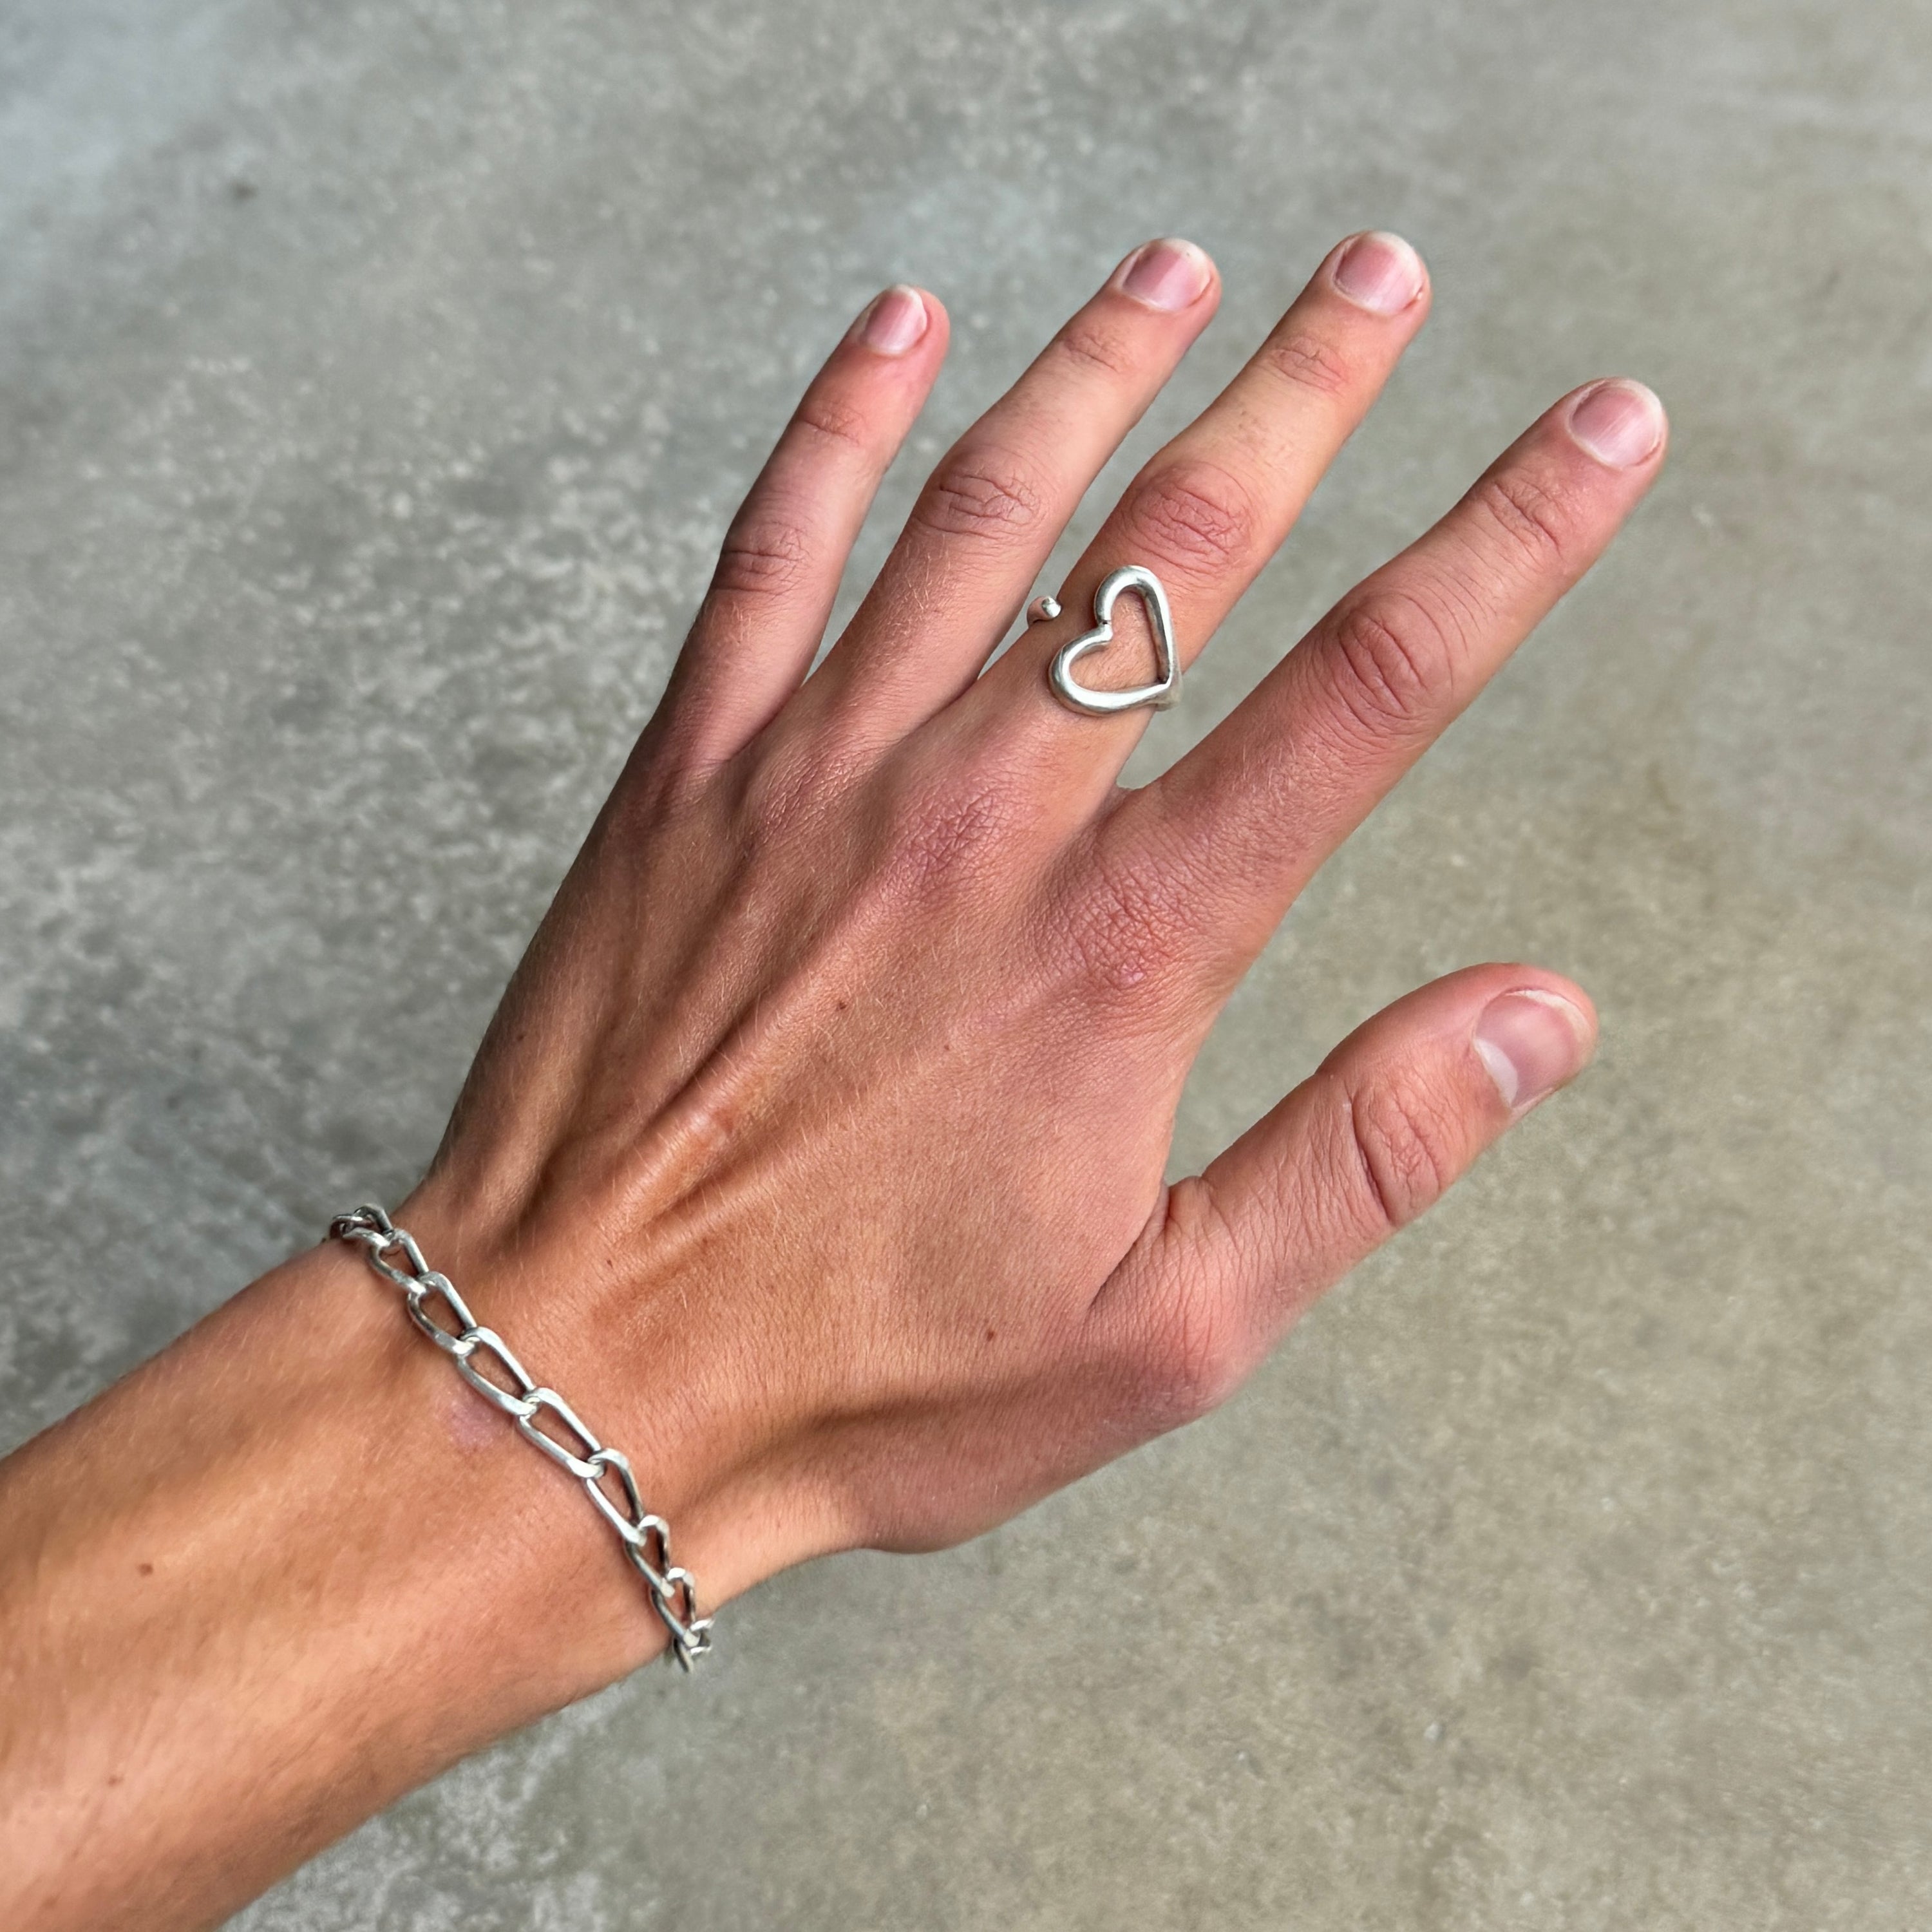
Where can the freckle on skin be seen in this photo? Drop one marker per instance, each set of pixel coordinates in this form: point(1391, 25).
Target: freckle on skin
point(147, 1570)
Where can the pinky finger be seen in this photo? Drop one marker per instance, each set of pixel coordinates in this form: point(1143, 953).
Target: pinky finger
point(771, 597)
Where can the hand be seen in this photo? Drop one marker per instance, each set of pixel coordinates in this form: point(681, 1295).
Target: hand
point(816, 1154)
point(817, 1149)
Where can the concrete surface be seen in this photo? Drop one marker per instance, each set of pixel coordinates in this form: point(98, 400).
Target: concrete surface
point(374, 382)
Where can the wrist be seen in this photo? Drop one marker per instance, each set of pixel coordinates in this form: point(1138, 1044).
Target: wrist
point(635, 1353)
point(496, 1547)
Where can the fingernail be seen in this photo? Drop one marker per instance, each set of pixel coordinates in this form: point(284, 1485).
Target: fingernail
point(895, 322)
point(1167, 274)
point(1532, 1042)
point(1619, 422)
point(1380, 273)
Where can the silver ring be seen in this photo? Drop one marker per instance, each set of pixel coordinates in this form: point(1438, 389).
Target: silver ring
point(1165, 690)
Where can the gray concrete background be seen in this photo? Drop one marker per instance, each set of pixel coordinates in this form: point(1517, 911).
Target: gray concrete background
point(374, 382)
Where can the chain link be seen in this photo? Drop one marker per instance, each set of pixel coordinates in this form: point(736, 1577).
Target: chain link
point(473, 1350)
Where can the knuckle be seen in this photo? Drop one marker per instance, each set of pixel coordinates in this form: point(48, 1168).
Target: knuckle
point(950, 830)
point(662, 785)
point(774, 797)
point(1106, 347)
point(1193, 1351)
point(830, 418)
point(1530, 516)
point(790, 791)
point(1125, 937)
point(1306, 360)
point(1198, 519)
point(1406, 1145)
point(1393, 662)
point(985, 493)
point(763, 557)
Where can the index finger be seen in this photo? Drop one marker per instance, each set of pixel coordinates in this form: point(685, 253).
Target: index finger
point(1250, 813)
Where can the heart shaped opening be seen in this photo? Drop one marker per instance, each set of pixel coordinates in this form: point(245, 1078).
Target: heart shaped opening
point(1131, 661)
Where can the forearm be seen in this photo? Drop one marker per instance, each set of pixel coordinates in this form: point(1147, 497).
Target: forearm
point(286, 1571)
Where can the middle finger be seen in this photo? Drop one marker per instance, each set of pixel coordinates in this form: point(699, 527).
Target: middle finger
point(1210, 509)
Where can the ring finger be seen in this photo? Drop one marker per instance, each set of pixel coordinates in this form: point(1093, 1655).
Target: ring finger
point(991, 511)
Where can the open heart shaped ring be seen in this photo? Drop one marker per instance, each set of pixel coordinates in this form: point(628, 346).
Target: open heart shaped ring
point(1083, 698)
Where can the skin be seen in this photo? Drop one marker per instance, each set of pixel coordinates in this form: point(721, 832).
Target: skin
point(817, 1151)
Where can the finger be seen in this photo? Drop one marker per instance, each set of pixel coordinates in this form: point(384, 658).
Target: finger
point(1207, 512)
point(1252, 811)
point(777, 573)
point(989, 516)
point(1395, 1115)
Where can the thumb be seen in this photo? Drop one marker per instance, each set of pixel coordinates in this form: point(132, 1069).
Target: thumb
point(1395, 1114)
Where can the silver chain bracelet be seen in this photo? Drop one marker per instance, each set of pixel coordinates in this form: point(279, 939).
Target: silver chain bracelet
point(645, 1538)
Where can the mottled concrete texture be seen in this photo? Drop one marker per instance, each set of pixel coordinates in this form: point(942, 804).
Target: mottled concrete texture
point(374, 382)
